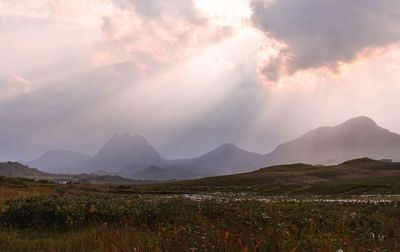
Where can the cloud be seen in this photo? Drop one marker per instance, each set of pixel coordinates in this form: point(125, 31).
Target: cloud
point(154, 33)
point(16, 79)
point(82, 11)
point(160, 9)
point(21, 82)
point(322, 34)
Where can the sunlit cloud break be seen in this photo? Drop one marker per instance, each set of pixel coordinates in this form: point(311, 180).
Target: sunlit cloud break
point(191, 74)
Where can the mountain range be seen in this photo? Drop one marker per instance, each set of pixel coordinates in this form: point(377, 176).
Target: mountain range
point(134, 157)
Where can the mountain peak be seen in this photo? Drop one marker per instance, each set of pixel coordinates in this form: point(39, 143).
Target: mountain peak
point(126, 138)
point(228, 146)
point(361, 121)
point(359, 136)
point(139, 139)
point(228, 158)
point(124, 154)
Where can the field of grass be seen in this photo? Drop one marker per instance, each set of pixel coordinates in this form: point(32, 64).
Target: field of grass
point(39, 216)
point(264, 185)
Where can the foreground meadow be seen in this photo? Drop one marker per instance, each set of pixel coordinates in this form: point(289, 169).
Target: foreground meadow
point(46, 217)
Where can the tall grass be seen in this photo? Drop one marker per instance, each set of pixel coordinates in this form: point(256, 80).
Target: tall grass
point(130, 223)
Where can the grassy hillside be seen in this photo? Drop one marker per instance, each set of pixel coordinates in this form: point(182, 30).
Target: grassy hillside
point(360, 176)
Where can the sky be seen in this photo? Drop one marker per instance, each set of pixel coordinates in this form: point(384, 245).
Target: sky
point(190, 75)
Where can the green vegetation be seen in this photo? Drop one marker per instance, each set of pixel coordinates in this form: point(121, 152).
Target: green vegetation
point(125, 223)
point(284, 208)
point(361, 176)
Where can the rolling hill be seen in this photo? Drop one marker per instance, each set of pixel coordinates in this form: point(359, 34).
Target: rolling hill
point(359, 176)
point(13, 169)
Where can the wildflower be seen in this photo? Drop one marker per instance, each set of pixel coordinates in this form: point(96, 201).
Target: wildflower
point(93, 209)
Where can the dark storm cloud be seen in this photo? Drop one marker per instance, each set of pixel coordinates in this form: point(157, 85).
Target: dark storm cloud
point(324, 33)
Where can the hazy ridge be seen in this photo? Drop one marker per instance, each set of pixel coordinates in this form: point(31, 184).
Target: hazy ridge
point(134, 157)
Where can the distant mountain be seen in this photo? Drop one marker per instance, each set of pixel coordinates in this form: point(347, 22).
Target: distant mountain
point(357, 137)
point(157, 173)
point(125, 155)
point(59, 161)
point(226, 159)
point(134, 157)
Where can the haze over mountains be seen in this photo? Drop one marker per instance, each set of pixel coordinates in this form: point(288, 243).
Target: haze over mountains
point(226, 159)
point(124, 154)
point(357, 137)
point(59, 161)
point(134, 157)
